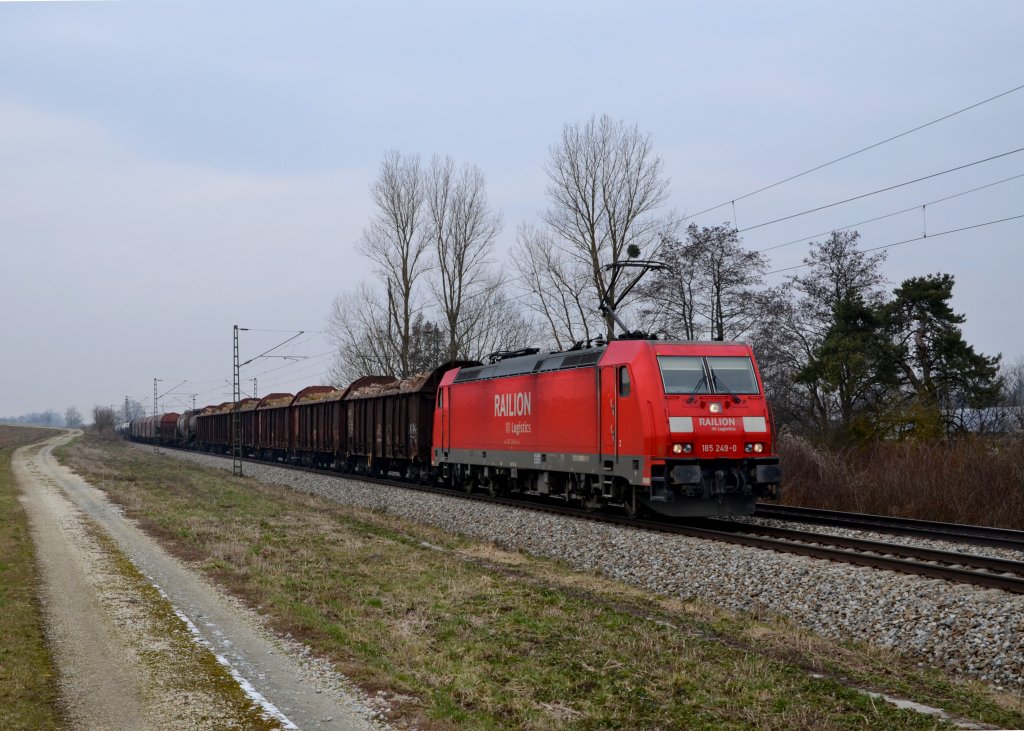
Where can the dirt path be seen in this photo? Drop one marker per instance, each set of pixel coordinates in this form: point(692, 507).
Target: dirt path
point(143, 642)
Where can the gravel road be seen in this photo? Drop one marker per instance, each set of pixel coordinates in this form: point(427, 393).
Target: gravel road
point(133, 645)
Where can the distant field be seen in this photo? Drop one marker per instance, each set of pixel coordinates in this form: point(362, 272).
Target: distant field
point(16, 436)
point(460, 634)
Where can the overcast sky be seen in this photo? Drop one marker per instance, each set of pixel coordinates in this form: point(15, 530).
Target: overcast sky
point(170, 169)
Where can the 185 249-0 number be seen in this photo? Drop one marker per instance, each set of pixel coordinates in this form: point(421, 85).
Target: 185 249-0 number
point(719, 448)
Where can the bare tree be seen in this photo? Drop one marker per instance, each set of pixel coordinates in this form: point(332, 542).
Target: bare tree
point(365, 337)
point(131, 409)
point(731, 274)
point(461, 228)
point(783, 346)
point(709, 287)
point(558, 289)
point(1011, 411)
point(493, 322)
point(103, 419)
point(394, 241)
point(671, 297)
point(429, 345)
point(358, 326)
point(72, 417)
point(605, 183)
point(837, 271)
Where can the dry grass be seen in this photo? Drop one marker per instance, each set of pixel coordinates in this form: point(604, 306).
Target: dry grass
point(465, 635)
point(978, 480)
point(28, 678)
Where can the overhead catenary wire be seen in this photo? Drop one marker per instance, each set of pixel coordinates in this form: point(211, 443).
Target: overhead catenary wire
point(880, 190)
point(306, 366)
point(271, 350)
point(908, 241)
point(216, 384)
point(890, 215)
point(852, 154)
point(313, 334)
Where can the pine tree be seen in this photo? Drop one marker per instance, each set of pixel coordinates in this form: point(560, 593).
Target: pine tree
point(855, 366)
point(942, 372)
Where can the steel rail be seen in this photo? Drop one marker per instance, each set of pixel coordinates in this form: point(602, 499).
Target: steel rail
point(989, 564)
point(995, 573)
point(978, 535)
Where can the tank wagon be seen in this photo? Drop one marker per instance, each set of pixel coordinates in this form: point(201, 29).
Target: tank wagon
point(168, 428)
point(186, 434)
point(678, 428)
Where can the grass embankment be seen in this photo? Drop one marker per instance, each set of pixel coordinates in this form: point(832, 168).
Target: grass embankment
point(28, 678)
point(463, 635)
point(978, 480)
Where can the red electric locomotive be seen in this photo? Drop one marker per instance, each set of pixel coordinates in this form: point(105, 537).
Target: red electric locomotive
point(680, 428)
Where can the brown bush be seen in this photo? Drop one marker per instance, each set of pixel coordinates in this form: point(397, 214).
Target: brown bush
point(104, 418)
point(978, 480)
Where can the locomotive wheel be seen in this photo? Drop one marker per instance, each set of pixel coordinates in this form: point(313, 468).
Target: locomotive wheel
point(630, 504)
point(467, 482)
point(590, 502)
point(496, 487)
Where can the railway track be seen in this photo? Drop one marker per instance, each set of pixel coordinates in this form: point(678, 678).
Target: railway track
point(970, 534)
point(984, 571)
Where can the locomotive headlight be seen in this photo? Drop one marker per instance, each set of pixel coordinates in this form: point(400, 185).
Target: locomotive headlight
point(677, 448)
point(758, 447)
point(755, 447)
point(684, 448)
point(715, 407)
point(687, 448)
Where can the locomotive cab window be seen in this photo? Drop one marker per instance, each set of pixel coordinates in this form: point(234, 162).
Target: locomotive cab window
point(733, 374)
point(623, 381)
point(693, 374)
point(683, 374)
point(440, 398)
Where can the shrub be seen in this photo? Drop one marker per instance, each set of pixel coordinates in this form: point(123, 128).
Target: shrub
point(965, 480)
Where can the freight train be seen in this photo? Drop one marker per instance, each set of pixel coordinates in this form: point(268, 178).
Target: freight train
point(680, 429)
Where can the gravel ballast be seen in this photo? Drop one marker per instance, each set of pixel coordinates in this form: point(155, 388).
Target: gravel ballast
point(978, 633)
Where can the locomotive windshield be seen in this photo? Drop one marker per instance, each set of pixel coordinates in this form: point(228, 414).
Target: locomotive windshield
point(733, 373)
point(683, 374)
point(686, 374)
